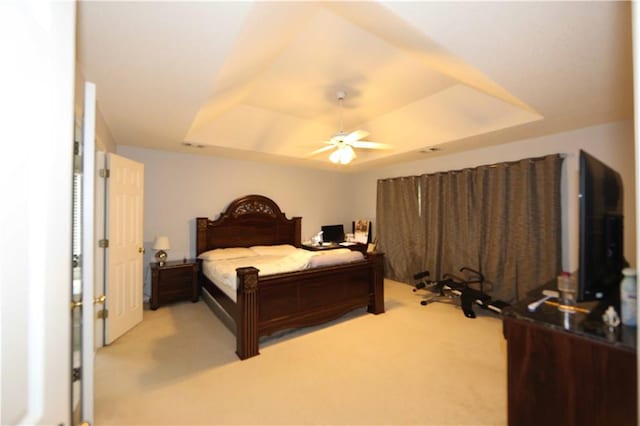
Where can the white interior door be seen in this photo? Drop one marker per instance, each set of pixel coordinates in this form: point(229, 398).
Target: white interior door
point(87, 253)
point(125, 191)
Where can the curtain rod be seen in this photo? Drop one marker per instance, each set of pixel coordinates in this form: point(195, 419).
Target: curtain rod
point(562, 155)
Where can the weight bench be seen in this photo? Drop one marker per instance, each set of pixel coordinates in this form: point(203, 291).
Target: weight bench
point(451, 285)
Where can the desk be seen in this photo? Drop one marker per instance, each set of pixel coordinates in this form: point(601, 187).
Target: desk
point(362, 248)
point(567, 369)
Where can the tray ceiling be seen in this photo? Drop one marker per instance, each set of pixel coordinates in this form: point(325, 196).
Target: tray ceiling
point(258, 80)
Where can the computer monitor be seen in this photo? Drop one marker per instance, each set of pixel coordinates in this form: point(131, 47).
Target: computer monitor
point(333, 233)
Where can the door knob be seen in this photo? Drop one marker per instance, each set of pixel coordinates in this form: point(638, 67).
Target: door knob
point(140, 250)
point(78, 303)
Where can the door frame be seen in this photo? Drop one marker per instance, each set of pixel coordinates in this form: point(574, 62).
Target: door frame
point(89, 251)
point(100, 233)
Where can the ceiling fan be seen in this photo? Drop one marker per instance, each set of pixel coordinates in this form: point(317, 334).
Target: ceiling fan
point(343, 143)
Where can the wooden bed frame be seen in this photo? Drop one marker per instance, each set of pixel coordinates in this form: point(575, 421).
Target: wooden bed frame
point(289, 300)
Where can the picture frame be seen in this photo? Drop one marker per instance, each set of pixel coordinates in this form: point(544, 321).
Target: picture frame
point(362, 231)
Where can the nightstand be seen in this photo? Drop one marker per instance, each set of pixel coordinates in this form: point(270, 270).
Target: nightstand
point(174, 281)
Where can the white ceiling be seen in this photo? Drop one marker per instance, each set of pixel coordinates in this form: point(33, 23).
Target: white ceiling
point(258, 80)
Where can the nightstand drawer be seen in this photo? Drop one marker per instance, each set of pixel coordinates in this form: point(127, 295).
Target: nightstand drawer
point(174, 281)
point(175, 294)
point(174, 278)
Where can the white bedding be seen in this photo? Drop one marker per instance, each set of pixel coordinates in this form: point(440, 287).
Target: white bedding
point(223, 272)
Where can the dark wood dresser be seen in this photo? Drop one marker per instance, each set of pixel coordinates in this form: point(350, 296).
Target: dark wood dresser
point(173, 282)
point(569, 369)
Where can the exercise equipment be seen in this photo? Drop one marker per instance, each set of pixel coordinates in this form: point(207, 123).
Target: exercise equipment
point(451, 286)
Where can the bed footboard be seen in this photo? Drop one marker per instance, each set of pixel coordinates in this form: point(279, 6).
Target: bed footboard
point(301, 299)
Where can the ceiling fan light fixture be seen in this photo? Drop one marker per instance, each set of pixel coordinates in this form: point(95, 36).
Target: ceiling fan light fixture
point(343, 154)
point(335, 156)
point(343, 143)
point(348, 154)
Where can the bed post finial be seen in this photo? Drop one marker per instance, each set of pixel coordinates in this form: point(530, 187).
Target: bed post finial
point(201, 234)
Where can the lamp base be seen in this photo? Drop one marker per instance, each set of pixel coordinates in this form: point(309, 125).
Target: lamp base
point(161, 257)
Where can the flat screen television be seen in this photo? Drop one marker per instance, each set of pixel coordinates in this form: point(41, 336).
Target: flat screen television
point(333, 233)
point(600, 251)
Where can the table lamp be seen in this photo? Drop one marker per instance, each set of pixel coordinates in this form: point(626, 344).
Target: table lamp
point(161, 244)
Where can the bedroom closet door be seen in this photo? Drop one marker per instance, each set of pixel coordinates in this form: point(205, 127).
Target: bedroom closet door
point(124, 262)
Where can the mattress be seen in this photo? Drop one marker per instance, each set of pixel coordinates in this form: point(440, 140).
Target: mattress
point(268, 260)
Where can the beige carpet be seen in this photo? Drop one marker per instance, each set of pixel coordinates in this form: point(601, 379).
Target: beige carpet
point(412, 365)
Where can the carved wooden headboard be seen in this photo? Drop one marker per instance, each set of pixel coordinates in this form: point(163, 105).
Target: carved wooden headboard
point(248, 221)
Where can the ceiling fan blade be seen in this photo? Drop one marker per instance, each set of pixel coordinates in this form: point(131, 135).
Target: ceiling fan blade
point(355, 136)
point(370, 145)
point(321, 150)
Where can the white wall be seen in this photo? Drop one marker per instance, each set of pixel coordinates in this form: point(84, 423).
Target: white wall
point(36, 107)
point(181, 187)
point(611, 143)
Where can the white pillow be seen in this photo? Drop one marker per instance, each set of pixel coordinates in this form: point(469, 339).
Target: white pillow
point(277, 250)
point(227, 253)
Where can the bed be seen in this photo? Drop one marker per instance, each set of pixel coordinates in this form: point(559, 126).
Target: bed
point(268, 303)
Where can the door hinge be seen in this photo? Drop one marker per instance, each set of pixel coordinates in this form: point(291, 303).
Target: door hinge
point(103, 314)
point(76, 374)
point(77, 157)
point(104, 173)
point(103, 243)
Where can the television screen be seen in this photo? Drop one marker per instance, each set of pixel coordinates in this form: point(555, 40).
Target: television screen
point(600, 252)
point(333, 233)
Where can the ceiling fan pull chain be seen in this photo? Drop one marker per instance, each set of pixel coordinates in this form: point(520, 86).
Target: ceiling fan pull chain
point(341, 98)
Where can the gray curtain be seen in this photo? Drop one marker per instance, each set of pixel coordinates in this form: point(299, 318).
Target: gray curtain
point(520, 225)
point(450, 222)
point(503, 220)
point(399, 229)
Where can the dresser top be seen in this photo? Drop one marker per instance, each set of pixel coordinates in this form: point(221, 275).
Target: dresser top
point(173, 264)
point(589, 325)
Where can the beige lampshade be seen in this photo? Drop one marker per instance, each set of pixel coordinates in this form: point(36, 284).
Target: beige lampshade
point(161, 243)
